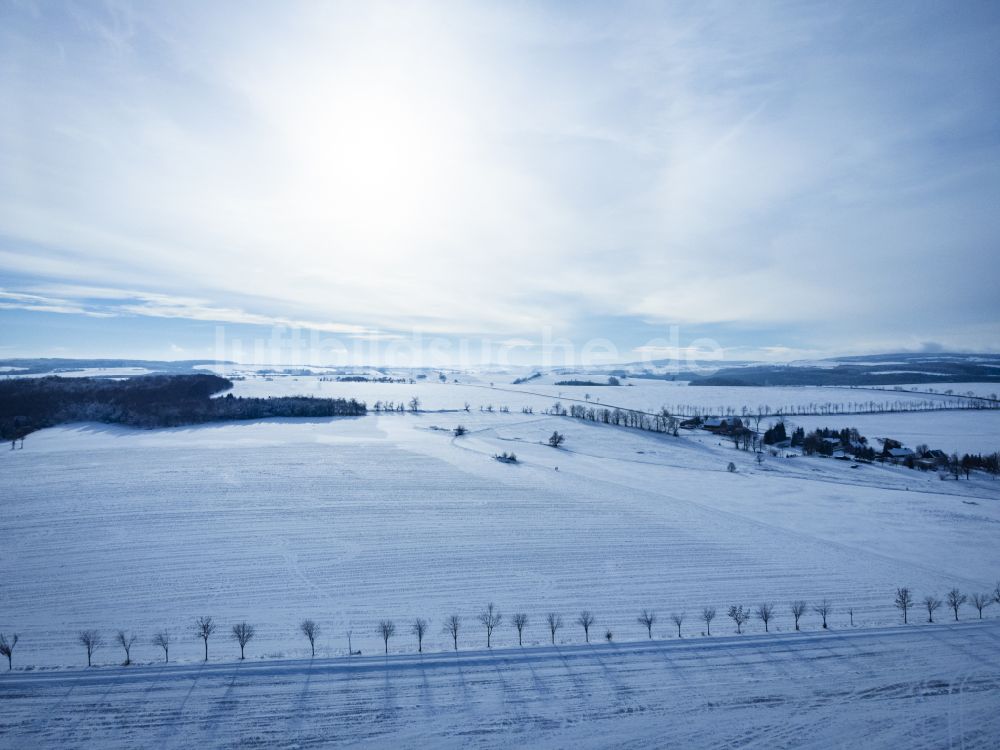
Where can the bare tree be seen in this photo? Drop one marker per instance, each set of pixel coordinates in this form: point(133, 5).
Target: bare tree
point(708, 614)
point(203, 628)
point(163, 640)
point(451, 626)
point(955, 600)
point(310, 630)
point(798, 608)
point(350, 648)
point(932, 603)
point(387, 629)
point(765, 610)
point(850, 611)
point(980, 602)
point(126, 641)
point(460, 430)
point(520, 620)
point(555, 622)
point(7, 648)
point(739, 616)
point(556, 439)
point(648, 619)
point(90, 640)
point(677, 620)
point(823, 609)
point(490, 619)
point(243, 633)
point(585, 620)
point(414, 404)
point(904, 600)
point(418, 629)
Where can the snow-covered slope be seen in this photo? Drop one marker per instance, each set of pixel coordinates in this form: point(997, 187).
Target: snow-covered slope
point(350, 521)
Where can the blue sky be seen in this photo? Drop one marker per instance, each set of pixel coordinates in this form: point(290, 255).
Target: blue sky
point(775, 181)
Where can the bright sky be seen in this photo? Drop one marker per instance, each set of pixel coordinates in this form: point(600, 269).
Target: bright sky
point(783, 179)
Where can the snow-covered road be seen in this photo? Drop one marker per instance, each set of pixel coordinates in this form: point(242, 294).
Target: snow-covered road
point(920, 686)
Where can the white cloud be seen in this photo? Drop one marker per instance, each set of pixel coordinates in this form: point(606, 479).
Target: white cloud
point(38, 303)
point(496, 169)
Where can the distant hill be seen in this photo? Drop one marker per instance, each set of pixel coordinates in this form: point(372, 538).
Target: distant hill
point(883, 369)
point(55, 365)
point(879, 369)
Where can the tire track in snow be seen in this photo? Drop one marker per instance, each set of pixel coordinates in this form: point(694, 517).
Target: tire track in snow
point(905, 672)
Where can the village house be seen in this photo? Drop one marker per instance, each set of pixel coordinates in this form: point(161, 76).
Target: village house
point(715, 424)
point(899, 455)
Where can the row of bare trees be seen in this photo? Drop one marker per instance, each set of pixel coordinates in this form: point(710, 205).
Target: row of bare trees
point(490, 619)
point(740, 615)
point(905, 601)
point(831, 408)
point(203, 628)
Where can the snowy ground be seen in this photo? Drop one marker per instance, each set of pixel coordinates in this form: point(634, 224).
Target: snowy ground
point(962, 431)
point(984, 390)
point(924, 686)
point(645, 395)
point(950, 431)
point(349, 521)
point(353, 520)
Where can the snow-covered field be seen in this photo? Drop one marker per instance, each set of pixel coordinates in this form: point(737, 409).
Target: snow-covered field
point(983, 390)
point(350, 521)
point(925, 686)
point(950, 431)
point(963, 430)
point(642, 394)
